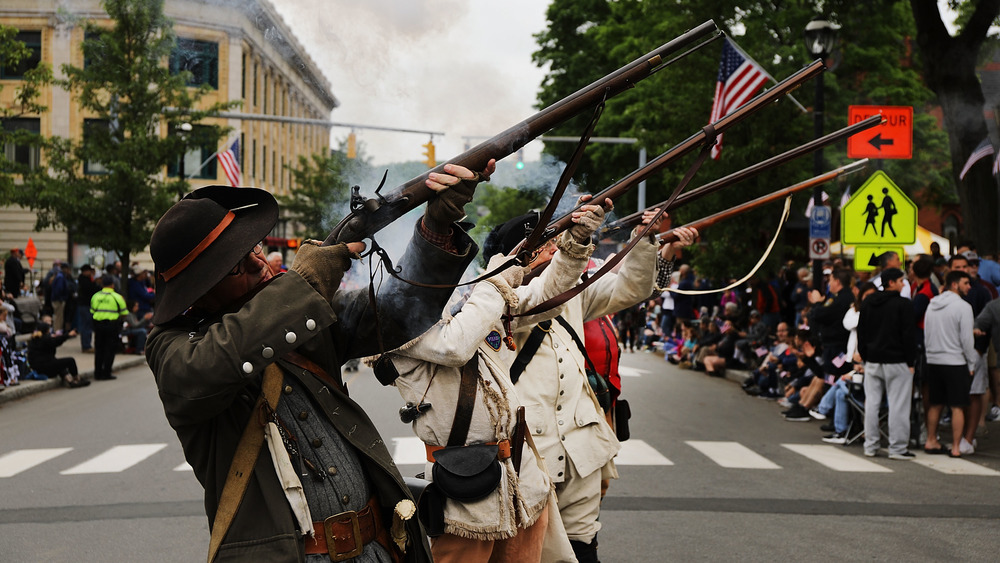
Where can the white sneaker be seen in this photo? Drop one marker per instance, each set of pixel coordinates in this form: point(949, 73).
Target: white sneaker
point(816, 414)
point(784, 403)
point(993, 414)
point(965, 448)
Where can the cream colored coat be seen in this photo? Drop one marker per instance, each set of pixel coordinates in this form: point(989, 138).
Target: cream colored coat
point(430, 370)
point(563, 414)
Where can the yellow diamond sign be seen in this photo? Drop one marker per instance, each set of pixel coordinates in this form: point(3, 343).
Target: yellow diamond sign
point(879, 213)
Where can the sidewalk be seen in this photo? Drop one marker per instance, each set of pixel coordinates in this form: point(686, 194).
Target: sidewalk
point(84, 363)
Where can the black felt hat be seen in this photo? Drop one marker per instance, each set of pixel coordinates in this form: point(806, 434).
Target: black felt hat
point(202, 238)
point(506, 236)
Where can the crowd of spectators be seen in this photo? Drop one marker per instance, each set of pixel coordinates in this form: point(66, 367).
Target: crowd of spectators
point(807, 344)
point(57, 306)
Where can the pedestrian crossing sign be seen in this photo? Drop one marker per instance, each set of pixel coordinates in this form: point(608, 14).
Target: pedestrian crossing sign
point(879, 213)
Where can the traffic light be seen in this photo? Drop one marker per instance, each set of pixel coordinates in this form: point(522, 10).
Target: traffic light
point(293, 243)
point(431, 162)
point(520, 159)
point(352, 145)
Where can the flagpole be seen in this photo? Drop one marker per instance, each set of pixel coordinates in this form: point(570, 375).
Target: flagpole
point(764, 71)
point(214, 154)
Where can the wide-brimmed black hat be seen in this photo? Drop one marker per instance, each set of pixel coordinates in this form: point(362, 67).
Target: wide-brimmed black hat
point(506, 236)
point(201, 239)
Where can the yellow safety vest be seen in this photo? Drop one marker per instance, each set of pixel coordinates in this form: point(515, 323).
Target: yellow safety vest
point(106, 305)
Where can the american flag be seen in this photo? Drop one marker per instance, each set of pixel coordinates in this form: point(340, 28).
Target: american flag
point(230, 161)
point(981, 151)
point(739, 79)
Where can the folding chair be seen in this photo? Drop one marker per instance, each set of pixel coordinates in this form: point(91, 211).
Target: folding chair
point(856, 427)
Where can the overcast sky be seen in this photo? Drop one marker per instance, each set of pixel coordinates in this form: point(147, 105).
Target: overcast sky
point(461, 67)
point(456, 66)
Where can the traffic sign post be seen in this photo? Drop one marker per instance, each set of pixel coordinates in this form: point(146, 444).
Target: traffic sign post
point(820, 221)
point(880, 214)
point(892, 139)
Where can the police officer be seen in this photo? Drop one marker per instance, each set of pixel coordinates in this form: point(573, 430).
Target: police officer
point(107, 307)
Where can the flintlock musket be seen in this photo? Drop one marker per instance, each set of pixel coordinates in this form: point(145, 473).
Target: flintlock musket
point(369, 216)
point(748, 172)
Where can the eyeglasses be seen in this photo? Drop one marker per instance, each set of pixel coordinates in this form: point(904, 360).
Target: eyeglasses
point(238, 270)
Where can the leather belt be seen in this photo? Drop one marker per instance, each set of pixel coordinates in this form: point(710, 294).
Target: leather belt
point(503, 451)
point(344, 536)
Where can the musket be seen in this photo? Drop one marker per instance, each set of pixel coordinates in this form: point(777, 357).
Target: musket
point(706, 222)
point(748, 172)
point(369, 216)
point(691, 143)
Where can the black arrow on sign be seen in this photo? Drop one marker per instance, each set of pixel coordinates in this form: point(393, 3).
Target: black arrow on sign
point(877, 141)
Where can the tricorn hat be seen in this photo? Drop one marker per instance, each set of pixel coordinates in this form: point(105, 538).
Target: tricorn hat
point(201, 239)
point(506, 236)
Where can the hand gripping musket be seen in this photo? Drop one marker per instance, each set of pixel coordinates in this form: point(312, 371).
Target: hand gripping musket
point(369, 216)
point(748, 172)
point(691, 143)
point(705, 222)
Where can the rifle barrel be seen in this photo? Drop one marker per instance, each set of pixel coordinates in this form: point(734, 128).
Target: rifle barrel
point(617, 189)
point(368, 217)
point(706, 222)
point(740, 175)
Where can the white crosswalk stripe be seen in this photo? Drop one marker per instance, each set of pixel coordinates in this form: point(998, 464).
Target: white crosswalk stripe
point(21, 460)
point(952, 466)
point(733, 455)
point(836, 458)
point(115, 460)
point(410, 451)
point(626, 371)
point(637, 452)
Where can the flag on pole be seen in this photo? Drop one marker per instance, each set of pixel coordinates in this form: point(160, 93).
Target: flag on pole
point(230, 161)
point(739, 79)
point(809, 206)
point(981, 151)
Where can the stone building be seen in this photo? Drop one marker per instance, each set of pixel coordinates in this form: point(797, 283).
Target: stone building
point(242, 49)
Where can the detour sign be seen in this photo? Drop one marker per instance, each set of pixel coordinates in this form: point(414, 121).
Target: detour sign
point(892, 139)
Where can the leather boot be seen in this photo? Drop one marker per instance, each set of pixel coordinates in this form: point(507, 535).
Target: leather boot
point(585, 552)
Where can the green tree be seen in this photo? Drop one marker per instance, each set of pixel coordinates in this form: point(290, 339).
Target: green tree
point(14, 54)
point(321, 194)
point(949, 65)
point(589, 38)
point(131, 94)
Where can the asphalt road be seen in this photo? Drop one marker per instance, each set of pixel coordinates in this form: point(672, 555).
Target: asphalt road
point(711, 474)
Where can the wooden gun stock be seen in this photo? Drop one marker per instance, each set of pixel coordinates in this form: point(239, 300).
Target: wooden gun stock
point(706, 222)
point(748, 172)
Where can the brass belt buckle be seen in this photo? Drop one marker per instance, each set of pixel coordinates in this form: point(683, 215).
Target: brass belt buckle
point(332, 547)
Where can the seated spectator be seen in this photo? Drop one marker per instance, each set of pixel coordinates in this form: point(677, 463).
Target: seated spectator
point(685, 354)
point(711, 336)
point(42, 355)
point(752, 339)
point(139, 291)
point(763, 380)
point(137, 327)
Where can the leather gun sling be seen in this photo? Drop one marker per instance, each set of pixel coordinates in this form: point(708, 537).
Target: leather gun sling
point(244, 460)
point(305, 363)
point(583, 350)
point(466, 403)
point(528, 350)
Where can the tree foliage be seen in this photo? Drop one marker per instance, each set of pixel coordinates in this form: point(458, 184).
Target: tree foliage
point(587, 39)
point(26, 101)
point(322, 192)
point(126, 87)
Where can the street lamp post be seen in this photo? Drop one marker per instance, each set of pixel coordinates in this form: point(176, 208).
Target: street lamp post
point(821, 36)
point(183, 130)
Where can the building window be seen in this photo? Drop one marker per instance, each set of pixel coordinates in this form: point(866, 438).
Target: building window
point(18, 148)
point(253, 173)
point(263, 164)
point(200, 58)
point(96, 133)
point(33, 41)
point(243, 80)
point(199, 149)
point(255, 84)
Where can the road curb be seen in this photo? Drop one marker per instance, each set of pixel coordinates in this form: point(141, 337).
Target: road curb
point(32, 387)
